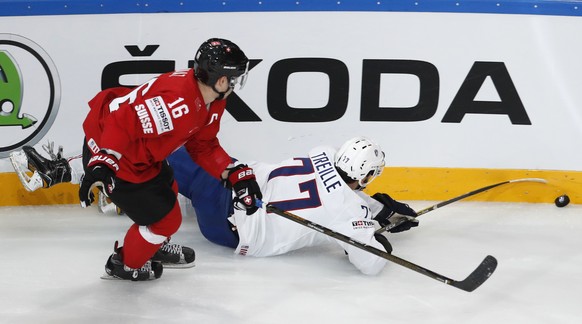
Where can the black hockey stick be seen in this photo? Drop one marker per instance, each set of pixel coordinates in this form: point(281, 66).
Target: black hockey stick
point(474, 280)
point(452, 200)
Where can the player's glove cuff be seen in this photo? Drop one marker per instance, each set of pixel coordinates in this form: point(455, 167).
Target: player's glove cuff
point(100, 171)
point(242, 179)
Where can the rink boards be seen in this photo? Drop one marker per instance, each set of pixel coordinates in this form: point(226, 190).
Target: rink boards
point(459, 94)
point(401, 183)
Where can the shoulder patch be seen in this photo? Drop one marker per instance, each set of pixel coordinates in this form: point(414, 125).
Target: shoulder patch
point(160, 114)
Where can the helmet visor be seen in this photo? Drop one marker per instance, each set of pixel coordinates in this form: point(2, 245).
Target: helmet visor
point(240, 80)
point(374, 172)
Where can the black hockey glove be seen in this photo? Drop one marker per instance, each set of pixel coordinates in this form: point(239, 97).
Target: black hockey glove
point(100, 170)
point(392, 207)
point(242, 179)
point(404, 223)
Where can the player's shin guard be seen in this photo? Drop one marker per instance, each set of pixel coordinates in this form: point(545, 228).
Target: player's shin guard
point(137, 249)
point(173, 255)
point(142, 242)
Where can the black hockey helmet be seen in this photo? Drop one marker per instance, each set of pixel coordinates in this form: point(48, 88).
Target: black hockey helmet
point(218, 57)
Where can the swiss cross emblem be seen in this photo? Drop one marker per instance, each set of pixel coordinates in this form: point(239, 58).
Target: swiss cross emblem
point(248, 200)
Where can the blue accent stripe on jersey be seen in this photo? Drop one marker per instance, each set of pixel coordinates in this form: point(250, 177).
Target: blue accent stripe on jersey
point(305, 168)
point(312, 201)
point(77, 7)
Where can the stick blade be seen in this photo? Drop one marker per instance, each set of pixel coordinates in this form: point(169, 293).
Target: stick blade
point(478, 276)
point(540, 180)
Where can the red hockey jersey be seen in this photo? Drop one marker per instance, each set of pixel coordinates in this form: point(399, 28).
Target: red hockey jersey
point(148, 123)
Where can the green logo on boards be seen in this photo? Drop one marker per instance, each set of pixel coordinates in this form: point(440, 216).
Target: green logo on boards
point(30, 93)
point(11, 94)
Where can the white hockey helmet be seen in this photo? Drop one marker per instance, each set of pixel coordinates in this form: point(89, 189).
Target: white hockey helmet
point(361, 159)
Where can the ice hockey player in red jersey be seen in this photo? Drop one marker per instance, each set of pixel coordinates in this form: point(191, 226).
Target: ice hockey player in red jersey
point(309, 186)
point(129, 133)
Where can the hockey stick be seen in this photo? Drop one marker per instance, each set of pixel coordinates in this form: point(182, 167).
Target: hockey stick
point(452, 200)
point(472, 282)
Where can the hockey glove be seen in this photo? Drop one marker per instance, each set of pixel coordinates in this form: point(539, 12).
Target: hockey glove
point(392, 207)
point(404, 223)
point(242, 179)
point(101, 171)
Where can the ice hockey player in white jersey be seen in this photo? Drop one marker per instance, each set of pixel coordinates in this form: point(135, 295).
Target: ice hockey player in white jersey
point(324, 186)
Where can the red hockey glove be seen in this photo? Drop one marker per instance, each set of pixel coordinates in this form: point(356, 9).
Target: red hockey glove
point(242, 179)
point(101, 171)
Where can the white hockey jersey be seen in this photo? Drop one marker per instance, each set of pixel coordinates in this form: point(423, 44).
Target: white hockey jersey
point(311, 188)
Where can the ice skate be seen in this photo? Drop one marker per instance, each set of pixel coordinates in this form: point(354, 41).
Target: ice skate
point(175, 256)
point(35, 171)
point(115, 269)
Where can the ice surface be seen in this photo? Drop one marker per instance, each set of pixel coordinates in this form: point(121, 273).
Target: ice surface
point(53, 256)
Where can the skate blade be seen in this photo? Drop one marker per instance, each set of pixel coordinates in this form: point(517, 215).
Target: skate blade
point(178, 265)
point(106, 276)
point(20, 165)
